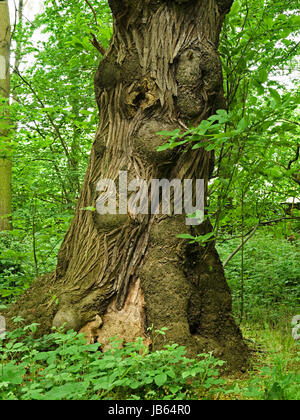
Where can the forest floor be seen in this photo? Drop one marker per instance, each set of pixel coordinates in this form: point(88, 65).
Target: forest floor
point(267, 300)
point(62, 366)
point(275, 365)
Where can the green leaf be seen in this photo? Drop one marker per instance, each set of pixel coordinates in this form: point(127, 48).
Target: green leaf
point(90, 208)
point(185, 236)
point(242, 125)
point(163, 147)
point(174, 133)
point(67, 390)
point(263, 75)
point(204, 238)
point(275, 393)
point(12, 373)
point(160, 379)
point(275, 95)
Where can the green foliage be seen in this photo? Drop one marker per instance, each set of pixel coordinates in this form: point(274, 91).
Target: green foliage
point(54, 119)
point(271, 277)
point(30, 249)
point(275, 383)
point(61, 366)
point(276, 373)
point(55, 105)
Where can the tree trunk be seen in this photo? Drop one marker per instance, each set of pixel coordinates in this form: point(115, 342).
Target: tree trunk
point(119, 274)
point(5, 161)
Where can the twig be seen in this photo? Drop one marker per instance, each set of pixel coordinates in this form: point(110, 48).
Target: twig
point(93, 10)
point(241, 245)
point(63, 143)
point(96, 44)
point(34, 238)
point(269, 222)
point(295, 159)
point(243, 259)
point(290, 121)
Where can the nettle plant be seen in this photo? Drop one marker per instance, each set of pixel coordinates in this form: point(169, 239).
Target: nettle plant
point(61, 366)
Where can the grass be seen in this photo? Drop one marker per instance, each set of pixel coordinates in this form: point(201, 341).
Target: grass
point(275, 365)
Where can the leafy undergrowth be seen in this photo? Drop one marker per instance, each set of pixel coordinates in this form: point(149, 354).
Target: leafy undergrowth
point(271, 289)
point(275, 365)
point(60, 366)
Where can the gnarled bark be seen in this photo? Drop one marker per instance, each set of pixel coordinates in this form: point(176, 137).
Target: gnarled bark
point(161, 72)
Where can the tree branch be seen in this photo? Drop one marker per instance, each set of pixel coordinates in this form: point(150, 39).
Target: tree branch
point(241, 245)
point(269, 222)
point(295, 158)
point(96, 44)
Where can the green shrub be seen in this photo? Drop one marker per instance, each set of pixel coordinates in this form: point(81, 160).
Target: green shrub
point(60, 366)
point(23, 258)
point(271, 276)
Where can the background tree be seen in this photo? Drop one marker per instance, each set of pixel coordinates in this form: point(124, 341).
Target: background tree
point(5, 160)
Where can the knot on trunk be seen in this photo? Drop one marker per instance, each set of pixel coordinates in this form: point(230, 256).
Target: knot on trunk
point(140, 95)
point(67, 318)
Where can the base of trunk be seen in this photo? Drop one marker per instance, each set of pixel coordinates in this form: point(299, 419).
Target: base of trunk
point(179, 286)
